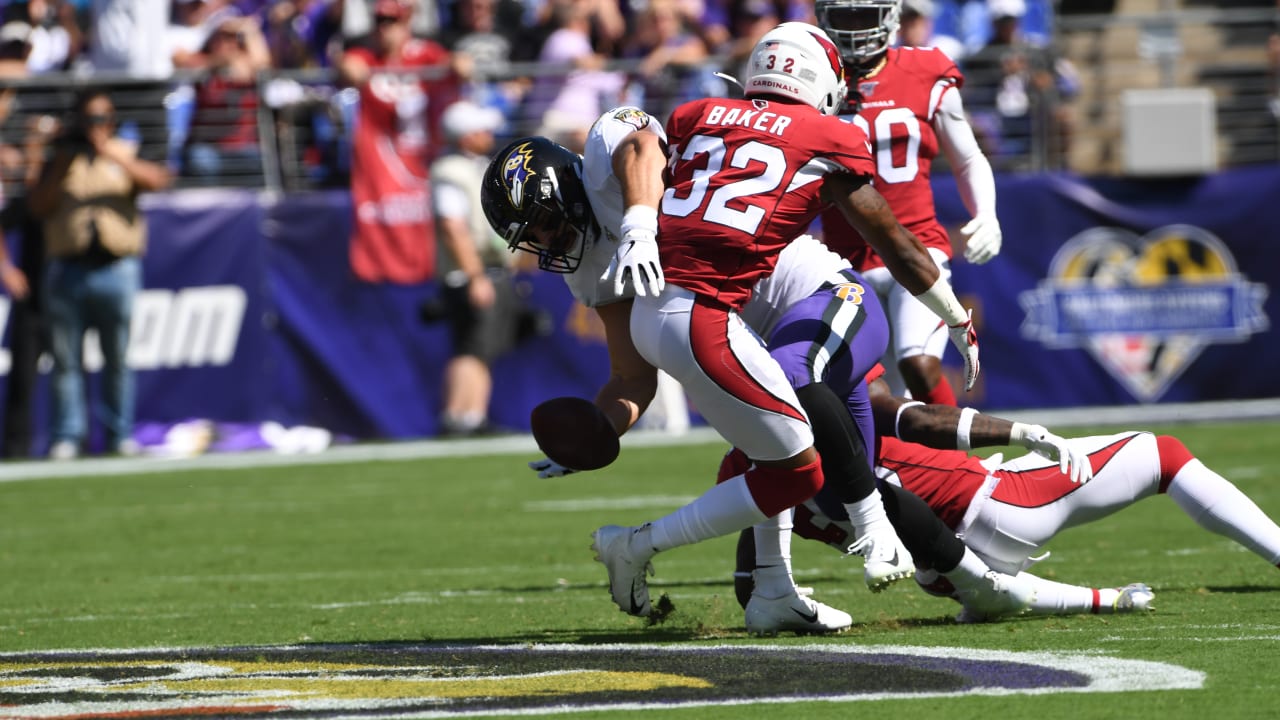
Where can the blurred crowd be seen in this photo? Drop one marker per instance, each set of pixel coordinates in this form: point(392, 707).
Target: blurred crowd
point(549, 66)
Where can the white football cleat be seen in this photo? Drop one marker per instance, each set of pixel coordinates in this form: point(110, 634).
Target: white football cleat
point(886, 559)
point(627, 569)
point(1134, 597)
point(999, 595)
point(797, 613)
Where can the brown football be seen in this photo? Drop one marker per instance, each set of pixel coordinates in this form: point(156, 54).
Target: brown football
point(575, 433)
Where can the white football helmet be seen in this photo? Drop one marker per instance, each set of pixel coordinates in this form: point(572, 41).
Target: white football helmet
point(798, 60)
point(862, 29)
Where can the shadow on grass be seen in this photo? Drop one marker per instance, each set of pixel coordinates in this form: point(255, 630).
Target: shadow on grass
point(1238, 589)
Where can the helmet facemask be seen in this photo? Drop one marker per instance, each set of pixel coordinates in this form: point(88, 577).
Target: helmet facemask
point(553, 232)
point(534, 198)
point(862, 29)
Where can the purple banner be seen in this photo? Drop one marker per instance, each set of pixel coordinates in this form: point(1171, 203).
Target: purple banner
point(1106, 293)
point(1110, 292)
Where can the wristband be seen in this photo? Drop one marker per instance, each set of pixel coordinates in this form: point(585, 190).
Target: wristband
point(963, 427)
point(640, 217)
point(1018, 434)
point(941, 299)
point(898, 419)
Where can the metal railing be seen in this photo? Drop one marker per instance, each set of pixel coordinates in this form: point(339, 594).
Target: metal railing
point(293, 128)
point(1222, 49)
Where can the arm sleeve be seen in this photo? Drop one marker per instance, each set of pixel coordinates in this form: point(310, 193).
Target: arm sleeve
point(974, 179)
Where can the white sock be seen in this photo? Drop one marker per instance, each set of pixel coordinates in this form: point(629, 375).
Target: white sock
point(867, 515)
point(773, 556)
point(724, 508)
point(1055, 598)
point(1219, 507)
point(969, 573)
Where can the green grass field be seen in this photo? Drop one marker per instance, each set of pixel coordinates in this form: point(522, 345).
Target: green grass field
point(475, 550)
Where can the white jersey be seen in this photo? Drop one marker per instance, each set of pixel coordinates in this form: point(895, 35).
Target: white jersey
point(804, 265)
point(589, 283)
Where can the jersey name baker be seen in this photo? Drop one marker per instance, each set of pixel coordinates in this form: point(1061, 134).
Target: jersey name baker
point(761, 120)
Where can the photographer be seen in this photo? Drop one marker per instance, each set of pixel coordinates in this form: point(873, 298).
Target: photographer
point(95, 233)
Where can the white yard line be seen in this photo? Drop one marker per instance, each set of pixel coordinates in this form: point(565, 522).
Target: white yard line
point(1123, 416)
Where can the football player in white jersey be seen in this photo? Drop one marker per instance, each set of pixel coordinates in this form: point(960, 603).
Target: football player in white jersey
point(620, 148)
point(593, 224)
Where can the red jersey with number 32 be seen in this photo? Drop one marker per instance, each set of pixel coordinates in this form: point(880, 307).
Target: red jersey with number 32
point(898, 104)
point(744, 180)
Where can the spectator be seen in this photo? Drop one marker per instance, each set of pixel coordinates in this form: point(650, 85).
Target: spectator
point(21, 279)
point(15, 48)
point(192, 23)
point(1273, 64)
point(732, 27)
point(565, 106)
point(304, 33)
point(94, 236)
point(671, 58)
point(402, 82)
point(1019, 93)
point(55, 35)
point(223, 142)
point(358, 17)
point(128, 36)
point(476, 32)
point(916, 29)
point(478, 290)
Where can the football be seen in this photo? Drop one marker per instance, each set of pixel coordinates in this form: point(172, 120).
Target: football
point(575, 433)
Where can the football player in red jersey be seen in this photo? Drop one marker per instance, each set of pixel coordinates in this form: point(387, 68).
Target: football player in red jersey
point(745, 177)
point(908, 101)
point(1008, 511)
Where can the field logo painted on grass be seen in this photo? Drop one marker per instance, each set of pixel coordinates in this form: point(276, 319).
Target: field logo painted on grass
point(452, 681)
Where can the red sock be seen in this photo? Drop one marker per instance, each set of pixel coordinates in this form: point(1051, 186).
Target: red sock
point(775, 489)
point(1173, 455)
point(940, 394)
point(735, 463)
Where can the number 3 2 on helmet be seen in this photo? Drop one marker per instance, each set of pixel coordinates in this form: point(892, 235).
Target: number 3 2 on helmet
point(798, 61)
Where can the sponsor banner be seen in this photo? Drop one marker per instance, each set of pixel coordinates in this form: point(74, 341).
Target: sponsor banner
point(1106, 293)
point(1111, 292)
point(198, 341)
point(362, 360)
point(251, 313)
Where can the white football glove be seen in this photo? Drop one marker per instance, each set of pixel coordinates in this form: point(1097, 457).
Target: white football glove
point(637, 258)
point(982, 239)
point(965, 338)
point(1072, 461)
point(548, 468)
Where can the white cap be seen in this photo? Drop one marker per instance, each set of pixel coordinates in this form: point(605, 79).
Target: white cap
point(920, 7)
point(15, 31)
point(1006, 8)
point(465, 117)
